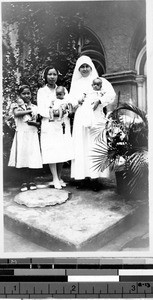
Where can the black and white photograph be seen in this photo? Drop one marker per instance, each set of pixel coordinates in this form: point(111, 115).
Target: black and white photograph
point(75, 110)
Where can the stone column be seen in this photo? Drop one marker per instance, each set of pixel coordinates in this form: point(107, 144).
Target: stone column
point(141, 92)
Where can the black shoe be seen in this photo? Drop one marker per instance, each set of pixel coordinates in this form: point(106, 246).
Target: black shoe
point(87, 182)
point(96, 189)
point(84, 184)
point(80, 185)
point(95, 185)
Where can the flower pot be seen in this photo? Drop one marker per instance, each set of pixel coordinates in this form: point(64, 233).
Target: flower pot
point(123, 187)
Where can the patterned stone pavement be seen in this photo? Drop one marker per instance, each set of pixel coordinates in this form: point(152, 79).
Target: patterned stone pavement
point(88, 221)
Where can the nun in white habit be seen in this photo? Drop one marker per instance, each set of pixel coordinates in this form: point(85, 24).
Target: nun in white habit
point(81, 85)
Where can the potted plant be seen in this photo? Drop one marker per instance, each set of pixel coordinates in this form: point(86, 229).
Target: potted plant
point(123, 145)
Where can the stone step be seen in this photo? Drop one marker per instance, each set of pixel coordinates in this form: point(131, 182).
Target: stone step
point(85, 222)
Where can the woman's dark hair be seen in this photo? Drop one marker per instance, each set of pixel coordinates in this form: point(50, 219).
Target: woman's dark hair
point(22, 87)
point(47, 70)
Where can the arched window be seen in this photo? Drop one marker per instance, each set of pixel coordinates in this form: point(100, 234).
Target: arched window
point(89, 44)
point(137, 61)
point(140, 67)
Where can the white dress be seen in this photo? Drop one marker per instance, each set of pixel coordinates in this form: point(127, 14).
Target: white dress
point(84, 141)
point(57, 103)
point(56, 141)
point(25, 150)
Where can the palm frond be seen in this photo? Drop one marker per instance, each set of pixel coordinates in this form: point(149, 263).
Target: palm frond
point(137, 159)
point(103, 156)
point(101, 146)
point(134, 109)
point(137, 164)
point(98, 132)
point(127, 138)
point(100, 164)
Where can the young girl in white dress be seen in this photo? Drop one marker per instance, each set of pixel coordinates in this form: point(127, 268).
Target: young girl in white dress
point(25, 151)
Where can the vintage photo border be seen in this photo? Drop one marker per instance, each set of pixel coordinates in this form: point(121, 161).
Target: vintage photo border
point(149, 23)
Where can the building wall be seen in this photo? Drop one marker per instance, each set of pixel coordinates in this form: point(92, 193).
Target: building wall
point(120, 27)
point(115, 23)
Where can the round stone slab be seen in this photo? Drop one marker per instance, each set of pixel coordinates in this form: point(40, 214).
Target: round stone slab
point(42, 197)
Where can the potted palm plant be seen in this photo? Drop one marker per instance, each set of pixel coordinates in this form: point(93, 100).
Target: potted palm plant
point(124, 147)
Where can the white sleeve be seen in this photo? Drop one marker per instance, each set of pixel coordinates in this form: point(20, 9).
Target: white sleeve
point(109, 93)
point(75, 95)
point(66, 92)
point(34, 109)
point(43, 108)
point(68, 99)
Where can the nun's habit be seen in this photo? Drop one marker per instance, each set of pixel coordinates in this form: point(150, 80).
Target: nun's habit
point(83, 140)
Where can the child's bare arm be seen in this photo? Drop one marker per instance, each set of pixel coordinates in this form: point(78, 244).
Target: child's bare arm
point(36, 122)
point(96, 104)
point(20, 113)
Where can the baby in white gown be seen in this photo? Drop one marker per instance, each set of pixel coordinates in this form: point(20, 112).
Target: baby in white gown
point(60, 105)
point(89, 99)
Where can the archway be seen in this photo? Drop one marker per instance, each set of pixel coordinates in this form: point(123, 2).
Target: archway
point(137, 61)
point(141, 78)
point(89, 44)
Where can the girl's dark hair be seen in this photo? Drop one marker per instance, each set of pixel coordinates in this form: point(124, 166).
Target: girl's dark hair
point(47, 70)
point(22, 87)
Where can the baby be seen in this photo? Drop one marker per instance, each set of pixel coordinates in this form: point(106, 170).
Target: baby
point(97, 84)
point(91, 100)
point(60, 105)
point(22, 106)
point(97, 92)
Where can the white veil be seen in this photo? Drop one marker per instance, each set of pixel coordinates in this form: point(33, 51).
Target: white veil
point(76, 73)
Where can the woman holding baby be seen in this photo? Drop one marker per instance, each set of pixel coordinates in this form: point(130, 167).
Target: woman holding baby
point(57, 144)
point(84, 90)
point(55, 139)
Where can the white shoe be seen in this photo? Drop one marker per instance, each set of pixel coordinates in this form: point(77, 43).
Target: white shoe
point(62, 183)
point(57, 185)
point(32, 186)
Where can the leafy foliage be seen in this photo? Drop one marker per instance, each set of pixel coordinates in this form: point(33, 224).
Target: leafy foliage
point(126, 142)
point(35, 36)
